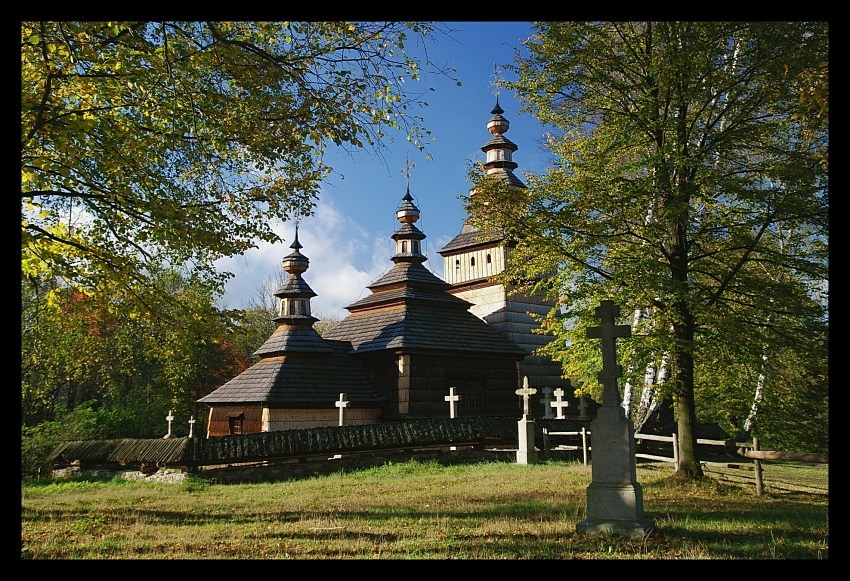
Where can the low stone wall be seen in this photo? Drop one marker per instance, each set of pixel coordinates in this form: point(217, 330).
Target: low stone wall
point(169, 475)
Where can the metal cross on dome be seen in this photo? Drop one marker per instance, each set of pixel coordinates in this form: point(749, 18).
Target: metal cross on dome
point(408, 167)
point(497, 81)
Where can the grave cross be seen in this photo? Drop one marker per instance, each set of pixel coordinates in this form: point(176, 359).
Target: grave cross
point(169, 418)
point(342, 404)
point(560, 403)
point(452, 399)
point(192, 421)
point(608, 332)
point(547, 402)
point(582, 407)
point(525, 392)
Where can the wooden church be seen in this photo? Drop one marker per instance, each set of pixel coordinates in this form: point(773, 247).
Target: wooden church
point(416, 347)
point(472, 258)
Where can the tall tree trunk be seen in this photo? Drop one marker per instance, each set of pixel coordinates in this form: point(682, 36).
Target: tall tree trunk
point(750, 422)
point(650, 402)
point(689, 466)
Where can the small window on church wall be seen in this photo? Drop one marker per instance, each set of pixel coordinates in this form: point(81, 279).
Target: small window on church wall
point(472, 261)
point(235, 426)
point(416, 246)
point(404, 245)
point(457, 264)
point(488, 259)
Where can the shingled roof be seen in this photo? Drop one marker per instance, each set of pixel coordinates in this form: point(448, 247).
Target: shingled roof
point(297, 366)
point(411, 308)
point(469, 238)
point(301, 378)
point(423, 326)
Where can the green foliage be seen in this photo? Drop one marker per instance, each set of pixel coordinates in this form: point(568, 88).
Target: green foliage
point(145, 143)
point(82, 423)
point(688, 186)
point(110, 369)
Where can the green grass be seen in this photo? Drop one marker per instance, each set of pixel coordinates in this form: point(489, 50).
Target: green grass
point(416, 510)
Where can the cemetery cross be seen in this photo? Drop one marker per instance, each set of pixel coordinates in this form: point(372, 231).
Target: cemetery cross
point(547, 402)
point(560, 403)
point(341, 404)
point(452, 398)
point(607, 311)
point(525, 392)
point(169, 418)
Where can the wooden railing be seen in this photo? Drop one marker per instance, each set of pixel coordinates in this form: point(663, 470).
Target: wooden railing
point(744, 449)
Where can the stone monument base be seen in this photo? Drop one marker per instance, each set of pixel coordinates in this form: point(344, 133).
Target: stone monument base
point(615, 509)
point(632, 529)
point(526, 452)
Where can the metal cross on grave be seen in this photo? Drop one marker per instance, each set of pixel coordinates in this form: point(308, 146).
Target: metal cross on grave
point(169, 418)
point(607, 311)
point(525, 392)
point(192, 421)
point(560, 403)
point(547, 401)
point(582, 406)
point(342, 404)
point(452, 398)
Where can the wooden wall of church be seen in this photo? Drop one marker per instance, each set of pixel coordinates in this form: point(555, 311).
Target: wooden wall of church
point(234, 420)
point(486, 385)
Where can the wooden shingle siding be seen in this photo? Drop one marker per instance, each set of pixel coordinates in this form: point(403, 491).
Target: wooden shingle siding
point(281, 445)
point(293, 419)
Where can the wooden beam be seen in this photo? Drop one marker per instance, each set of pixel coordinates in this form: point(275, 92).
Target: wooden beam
point(792, 456)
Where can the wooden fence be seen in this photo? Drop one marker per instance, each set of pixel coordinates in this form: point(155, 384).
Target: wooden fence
point(744, 449)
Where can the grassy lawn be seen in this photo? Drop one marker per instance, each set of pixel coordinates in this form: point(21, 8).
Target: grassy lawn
point(493, 510)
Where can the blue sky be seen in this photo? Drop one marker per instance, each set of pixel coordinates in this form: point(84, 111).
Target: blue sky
point(348, 239)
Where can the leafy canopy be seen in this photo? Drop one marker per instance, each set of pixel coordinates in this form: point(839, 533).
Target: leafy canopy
point(689, 185)
point(178, 143)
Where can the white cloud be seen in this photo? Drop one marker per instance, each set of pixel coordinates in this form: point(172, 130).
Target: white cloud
point(344, 259)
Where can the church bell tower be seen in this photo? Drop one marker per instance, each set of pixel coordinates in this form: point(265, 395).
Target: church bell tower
point(472, 258)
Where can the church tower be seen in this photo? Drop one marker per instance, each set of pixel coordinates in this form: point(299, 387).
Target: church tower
point(472, 258)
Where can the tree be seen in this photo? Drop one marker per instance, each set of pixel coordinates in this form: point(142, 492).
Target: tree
point(689, 183)
point(145, 143)
point(100, 348)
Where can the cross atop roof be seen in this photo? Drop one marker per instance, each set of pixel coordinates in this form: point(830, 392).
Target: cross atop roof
point(406, 170)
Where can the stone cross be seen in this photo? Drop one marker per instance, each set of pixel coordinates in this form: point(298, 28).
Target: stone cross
point(582, 406)
point(525, 392)
point(169, 418)
point(607, 311)
point(452, 398)
point(547, 402)
point(342, 404)
point(192, 427)
point(559, 403)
